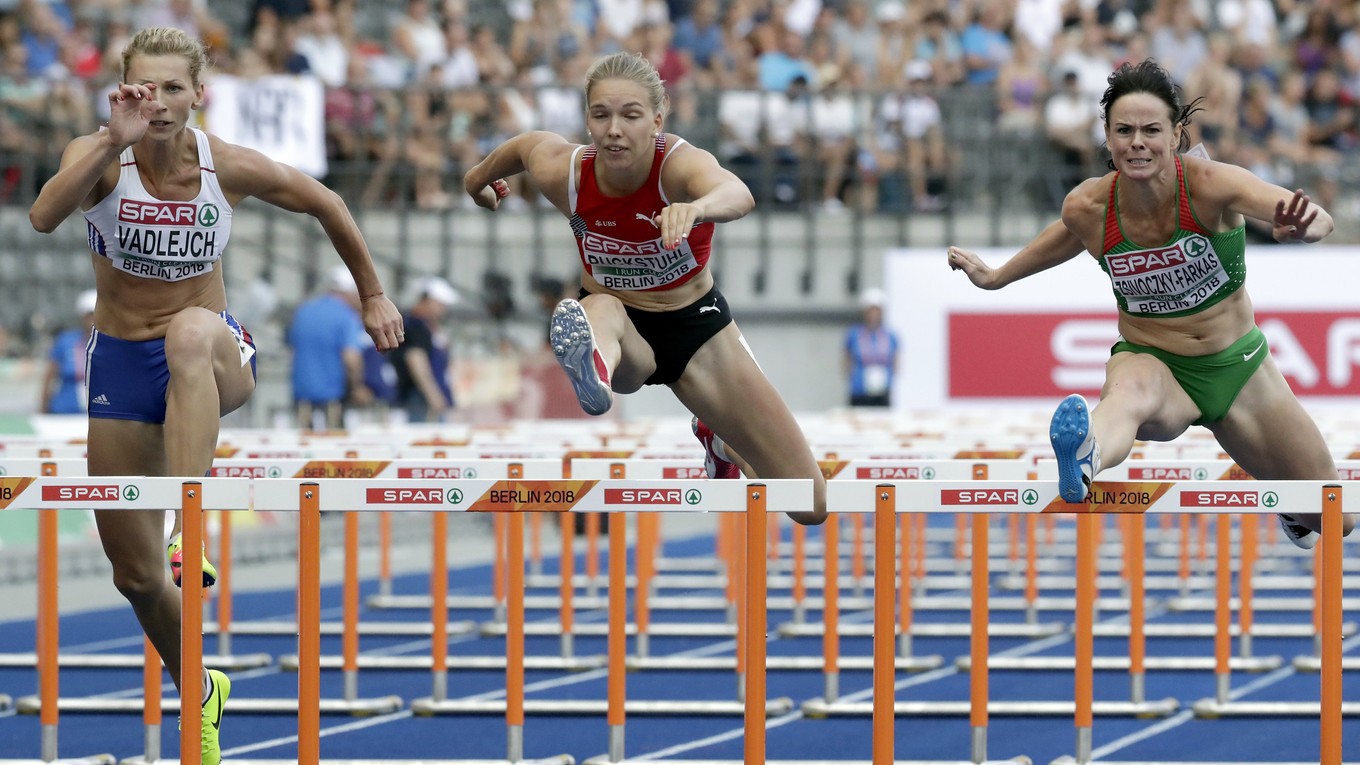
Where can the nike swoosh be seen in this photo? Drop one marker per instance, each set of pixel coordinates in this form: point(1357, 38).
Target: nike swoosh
point(1247, 356)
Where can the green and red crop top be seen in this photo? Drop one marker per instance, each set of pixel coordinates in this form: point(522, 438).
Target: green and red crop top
point(1194, 269)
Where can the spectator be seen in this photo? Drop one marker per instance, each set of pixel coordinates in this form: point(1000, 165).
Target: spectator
point(327, 362)
point(1250, 22)
point(1038, 22)
point(940, 45)
point(63, 385)
point(855, 35)
point(1070, 122)
point(782, 63)
point(759, 137)
point(539, 40)
point(1318, 47)
point(1303, 163)
point(1220, 85)
point(1022, 86)
point(917, 116)
point(830, 132)
point(1332, 112)
point(494, 65)
point(460, 64)
point(42, 33)
point(1179, 46)
point(422, 360)
point(1090, 58)
point(276, 12)
point(870, 359)
point(985, 45)
point(890, 49)
point(429, 111)
point(380, 379)
point(418, 40)
point(327, 53)
point(699, 39)
point(361, 130)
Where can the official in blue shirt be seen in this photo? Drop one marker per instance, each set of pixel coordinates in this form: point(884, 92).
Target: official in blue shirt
point(871, 354)
point(63, 387)
point(327, 357)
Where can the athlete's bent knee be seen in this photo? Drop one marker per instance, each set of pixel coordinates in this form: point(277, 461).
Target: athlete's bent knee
point(139, 583)
point(189, 339)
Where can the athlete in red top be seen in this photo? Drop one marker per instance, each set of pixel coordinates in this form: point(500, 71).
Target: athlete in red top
point(642, 204)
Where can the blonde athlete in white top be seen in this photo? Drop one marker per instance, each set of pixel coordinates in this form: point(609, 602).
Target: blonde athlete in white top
point(179, 324)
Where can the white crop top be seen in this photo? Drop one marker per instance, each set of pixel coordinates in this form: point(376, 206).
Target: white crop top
point(155, 239)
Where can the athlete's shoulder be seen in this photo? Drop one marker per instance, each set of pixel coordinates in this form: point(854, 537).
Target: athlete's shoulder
point(1088, 198)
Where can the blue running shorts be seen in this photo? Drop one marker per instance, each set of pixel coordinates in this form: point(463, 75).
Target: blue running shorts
point(128, 379)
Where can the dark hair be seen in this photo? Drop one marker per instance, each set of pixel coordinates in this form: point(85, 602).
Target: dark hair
point(1147, 76)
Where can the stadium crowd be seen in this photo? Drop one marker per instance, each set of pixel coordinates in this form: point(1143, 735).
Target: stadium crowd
point(830, 103)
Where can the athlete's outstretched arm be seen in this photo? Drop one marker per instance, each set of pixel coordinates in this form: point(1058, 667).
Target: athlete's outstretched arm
point(88, 157)
point(246, 172)
point(484, 181)
point(709, 193)
point(1055, 244)
point(1291, 215)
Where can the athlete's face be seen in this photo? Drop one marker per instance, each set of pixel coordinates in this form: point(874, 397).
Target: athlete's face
point(622, 122)
point(175, 90)
point(1141, 136)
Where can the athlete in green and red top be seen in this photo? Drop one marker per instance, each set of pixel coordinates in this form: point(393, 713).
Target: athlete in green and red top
point(1169, 232)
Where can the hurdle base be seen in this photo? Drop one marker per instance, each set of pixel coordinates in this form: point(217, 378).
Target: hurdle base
point(226, 663)
point(87, 760)
point(356, 707)
point(1070, 760)
point(1301, 630)
point(603, 759)
point(1293, 605)
point(929, 629)
point(1210, 709)
point(1314, 663)
point(819, 708)
point(1255, 664)
point(290, 662)
point(780, 663)
point(561, 759)
point(424, 629)
point(655, 629)
point(428, 707)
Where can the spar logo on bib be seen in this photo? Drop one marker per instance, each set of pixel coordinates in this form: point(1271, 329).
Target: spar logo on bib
point(208, 215)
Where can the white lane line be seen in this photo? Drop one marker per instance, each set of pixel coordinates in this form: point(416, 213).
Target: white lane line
point(1182, 718)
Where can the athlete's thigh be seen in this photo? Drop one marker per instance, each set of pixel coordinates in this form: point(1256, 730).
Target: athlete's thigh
point(725, 387)
point(1140, 386)
point(128, 448)
point(1269, 433)
point(610, 323)
point(235, 380)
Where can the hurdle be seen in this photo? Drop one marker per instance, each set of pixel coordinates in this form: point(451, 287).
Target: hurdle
point(73, 467)
point(1330, 709)
point(519, 496)
point(46, 658)
point(438, 605)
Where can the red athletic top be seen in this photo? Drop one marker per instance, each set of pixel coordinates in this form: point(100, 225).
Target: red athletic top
point(619, 244)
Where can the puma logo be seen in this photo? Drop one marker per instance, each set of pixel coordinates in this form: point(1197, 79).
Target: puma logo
point(714, 308)
point(649, 218)
point(1247, 356)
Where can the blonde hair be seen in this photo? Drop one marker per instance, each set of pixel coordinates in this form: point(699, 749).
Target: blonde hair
point(167, 41)
point(629, 66)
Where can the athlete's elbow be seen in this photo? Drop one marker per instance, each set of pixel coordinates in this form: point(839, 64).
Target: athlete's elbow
point(43, 224)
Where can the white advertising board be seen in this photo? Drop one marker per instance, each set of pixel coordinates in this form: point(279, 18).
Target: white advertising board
point(1044, 337)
